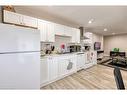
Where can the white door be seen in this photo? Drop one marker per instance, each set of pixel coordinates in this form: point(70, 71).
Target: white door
point(44, 71)
point(11, 17)
point(20, 71)
point(53, 68)
point(29, 21)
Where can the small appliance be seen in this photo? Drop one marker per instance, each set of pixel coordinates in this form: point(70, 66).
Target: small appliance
point(75, 48)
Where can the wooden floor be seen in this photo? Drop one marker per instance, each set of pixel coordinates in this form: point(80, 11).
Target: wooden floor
point(96, 77)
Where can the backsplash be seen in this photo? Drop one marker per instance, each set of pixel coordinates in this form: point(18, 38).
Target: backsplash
point(59, 40)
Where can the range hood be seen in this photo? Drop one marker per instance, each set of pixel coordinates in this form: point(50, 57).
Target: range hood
point(82, 37)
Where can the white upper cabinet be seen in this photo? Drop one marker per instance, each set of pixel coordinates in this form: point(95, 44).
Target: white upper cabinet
point(59, 29)
point(67, 31)
point(29, 21)
point(78, 35)
point(42, 28)
point(46, 31)
point(88, 35)
point(11, 17)
point(50, 32)
point(62, 30)
point(19, 19)
point(75, 35)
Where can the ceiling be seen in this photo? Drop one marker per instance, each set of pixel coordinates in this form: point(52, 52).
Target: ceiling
point(114, 18)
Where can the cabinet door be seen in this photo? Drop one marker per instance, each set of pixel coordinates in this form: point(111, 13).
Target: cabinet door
point(53, 68)
point(50, 32)
point(73, 60)
point(11, 17)
point(80, 61)
point(46, 31)
point(67, 65)
point(94, 57)
point(88, 35)
point(43, 29)
point(63, 63)
point(29, 21)
point(77, 36)
point(73, 35)
point(44, 71)
point(67, 31)
point(59, 29)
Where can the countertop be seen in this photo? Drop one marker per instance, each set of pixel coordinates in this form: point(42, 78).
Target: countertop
point(65, 54)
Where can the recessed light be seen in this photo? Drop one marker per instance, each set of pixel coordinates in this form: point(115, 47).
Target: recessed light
point(105, 29)
point(90, 21)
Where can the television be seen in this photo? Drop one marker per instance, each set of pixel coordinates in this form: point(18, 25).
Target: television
point(97, 45)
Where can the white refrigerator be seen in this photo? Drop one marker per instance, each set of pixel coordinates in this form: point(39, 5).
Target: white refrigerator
point(19, 57)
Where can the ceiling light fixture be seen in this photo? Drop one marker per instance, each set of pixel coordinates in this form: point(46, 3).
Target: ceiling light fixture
point(105, 29)
point(90, 21)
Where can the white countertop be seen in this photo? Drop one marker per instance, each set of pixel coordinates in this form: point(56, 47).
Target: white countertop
point(57, 55)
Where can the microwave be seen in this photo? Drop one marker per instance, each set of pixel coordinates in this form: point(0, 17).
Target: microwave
point(75, 48)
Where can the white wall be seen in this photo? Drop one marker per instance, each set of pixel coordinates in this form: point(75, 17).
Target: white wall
point(115, 41)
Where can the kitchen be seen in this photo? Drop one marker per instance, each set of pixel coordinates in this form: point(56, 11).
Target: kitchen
point(64, 50)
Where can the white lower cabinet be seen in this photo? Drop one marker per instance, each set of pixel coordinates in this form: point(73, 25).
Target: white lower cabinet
point(52, 68)
point(67, 65)
point(49, 70)
point(91, 58)
point(63, 63)
point(94, 61)
point(73, 60)
point(80, 61)
point(44, 71)
point(57, 67)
